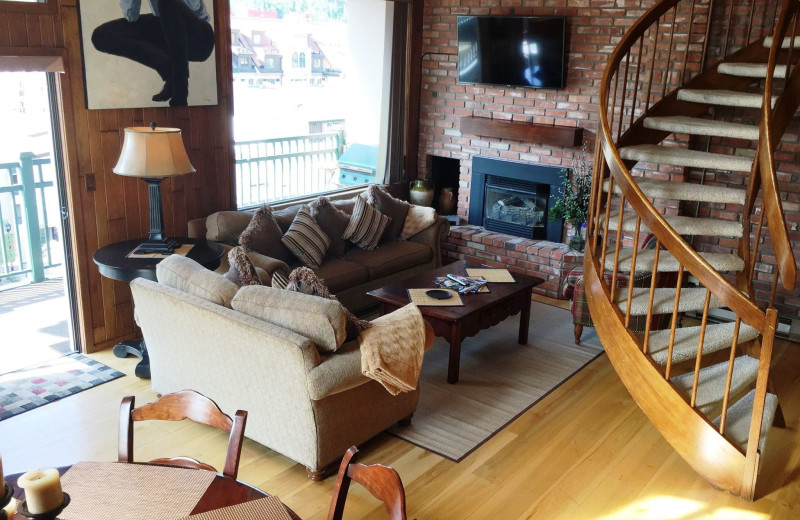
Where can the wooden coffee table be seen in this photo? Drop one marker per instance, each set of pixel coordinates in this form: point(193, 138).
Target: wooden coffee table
point(480, 311)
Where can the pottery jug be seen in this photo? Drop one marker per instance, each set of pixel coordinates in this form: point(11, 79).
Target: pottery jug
point(421, 192)
point(447, 201)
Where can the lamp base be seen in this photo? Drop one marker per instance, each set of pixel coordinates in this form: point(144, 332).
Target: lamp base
point(165, 246)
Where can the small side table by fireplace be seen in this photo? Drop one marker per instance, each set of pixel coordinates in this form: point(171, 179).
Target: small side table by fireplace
point(113, 262)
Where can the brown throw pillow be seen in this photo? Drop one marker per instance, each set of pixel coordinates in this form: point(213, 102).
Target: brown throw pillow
point(304, 280)
point(366, 225)
point(393, 208)
point(263, 236)
point(333, 222)
point(242, 271)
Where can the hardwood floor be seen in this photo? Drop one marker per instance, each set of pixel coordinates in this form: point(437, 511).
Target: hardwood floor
point(584, 452)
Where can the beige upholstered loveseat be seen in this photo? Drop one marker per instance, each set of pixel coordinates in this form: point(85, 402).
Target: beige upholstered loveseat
point(349, 278)
point(307, 405)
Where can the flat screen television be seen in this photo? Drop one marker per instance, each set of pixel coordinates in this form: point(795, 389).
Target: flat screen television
point(522, 51)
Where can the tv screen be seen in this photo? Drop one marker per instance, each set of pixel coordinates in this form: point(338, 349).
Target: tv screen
point(524, 51)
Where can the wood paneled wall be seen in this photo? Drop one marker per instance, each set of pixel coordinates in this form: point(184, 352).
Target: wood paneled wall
point(105, 208)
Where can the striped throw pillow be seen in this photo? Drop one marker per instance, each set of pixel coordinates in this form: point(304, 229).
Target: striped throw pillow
point(306, 240)
point(279, 280)
point(366, 225)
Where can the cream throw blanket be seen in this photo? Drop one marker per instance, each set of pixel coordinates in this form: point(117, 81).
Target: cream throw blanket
point(393, 348)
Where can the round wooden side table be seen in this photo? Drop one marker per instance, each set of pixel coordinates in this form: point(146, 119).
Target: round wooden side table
point(113, 262)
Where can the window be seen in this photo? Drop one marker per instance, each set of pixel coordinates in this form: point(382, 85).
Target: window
point(257, 38)
point(244, 60)
point(285, 143)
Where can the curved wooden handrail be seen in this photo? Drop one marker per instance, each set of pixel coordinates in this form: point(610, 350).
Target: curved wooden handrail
point(772, 125)
point(700, 443)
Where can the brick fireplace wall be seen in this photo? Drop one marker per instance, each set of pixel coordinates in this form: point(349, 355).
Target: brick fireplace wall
point(593, 29)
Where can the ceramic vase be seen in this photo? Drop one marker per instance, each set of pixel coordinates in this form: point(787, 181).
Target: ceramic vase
point(447, 201)
point(420, 192)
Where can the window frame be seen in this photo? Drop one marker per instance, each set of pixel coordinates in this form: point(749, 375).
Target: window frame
point(48, 6)
point(404, 108)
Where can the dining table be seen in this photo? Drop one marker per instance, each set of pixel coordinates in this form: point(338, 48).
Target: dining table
point(222, 491)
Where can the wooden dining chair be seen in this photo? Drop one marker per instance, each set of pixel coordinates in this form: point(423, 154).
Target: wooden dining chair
point(190, 405)
point(383, 482)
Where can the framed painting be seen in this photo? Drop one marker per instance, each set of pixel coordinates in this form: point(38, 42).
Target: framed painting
point(150, 53)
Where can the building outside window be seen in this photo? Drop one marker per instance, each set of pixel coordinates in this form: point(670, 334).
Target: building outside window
point(293, 122)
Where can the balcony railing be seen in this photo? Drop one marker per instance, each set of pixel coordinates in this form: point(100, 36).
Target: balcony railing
point(286, 167)
point(29, 216)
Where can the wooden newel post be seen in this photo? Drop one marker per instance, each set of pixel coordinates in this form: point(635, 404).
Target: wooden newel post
point(31, 216)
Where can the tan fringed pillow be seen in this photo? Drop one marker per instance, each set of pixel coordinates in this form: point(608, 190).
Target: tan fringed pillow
point(419, 218)
point(242, 271)
point(366, 225)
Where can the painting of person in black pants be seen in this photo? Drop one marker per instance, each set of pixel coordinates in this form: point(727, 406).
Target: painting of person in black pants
point(175, 33)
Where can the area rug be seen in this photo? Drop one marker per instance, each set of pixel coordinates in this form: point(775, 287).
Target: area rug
point(29, 388)
point(499, 380)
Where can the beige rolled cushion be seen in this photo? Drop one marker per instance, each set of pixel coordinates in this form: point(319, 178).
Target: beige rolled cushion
point(417, 219)
point(319, 319)
point(186, 275)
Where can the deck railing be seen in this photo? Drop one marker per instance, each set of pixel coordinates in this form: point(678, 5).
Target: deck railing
point(28, 226)
point(286, 167)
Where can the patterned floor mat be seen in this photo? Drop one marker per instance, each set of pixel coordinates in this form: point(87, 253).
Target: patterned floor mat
point(32, 387)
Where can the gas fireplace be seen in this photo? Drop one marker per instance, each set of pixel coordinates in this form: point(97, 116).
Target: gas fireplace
point(514, 198)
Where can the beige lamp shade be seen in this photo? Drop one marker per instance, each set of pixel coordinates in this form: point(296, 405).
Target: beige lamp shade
point(154, 153)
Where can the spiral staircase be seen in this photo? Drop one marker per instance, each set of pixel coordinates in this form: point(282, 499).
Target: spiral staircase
point(705, 385)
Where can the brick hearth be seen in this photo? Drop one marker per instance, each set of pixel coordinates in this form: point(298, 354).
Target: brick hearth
point(538, 258)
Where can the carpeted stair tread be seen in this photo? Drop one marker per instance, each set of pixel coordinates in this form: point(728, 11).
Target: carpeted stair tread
point(711, 383)
point(682, 225)
point(667, 263)
point(692, 299)
point(787, 40)
point(737, 422)
point(718, 336)
point(750, 70)
point(700, 126)
point(728, 98)
point(661, 189)
point(653, 153)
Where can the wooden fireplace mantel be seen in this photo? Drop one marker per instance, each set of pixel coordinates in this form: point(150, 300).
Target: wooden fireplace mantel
point(527, 132)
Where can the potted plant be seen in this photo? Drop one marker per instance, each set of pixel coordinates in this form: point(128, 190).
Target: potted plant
point(573, 208)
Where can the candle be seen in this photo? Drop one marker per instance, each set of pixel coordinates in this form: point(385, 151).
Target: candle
point(42, 490)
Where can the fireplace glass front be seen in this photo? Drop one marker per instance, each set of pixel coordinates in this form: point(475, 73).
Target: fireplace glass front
point(516, 207)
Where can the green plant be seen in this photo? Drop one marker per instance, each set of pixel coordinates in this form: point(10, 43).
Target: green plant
point(574, 206)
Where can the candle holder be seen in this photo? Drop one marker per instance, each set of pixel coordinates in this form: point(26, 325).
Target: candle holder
point(22, 509)
point(5, 498)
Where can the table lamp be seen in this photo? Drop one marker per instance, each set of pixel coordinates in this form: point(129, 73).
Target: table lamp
point(154, 154)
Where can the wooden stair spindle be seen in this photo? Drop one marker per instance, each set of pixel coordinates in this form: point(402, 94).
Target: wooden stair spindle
point(674, 322)
point(728, 379)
